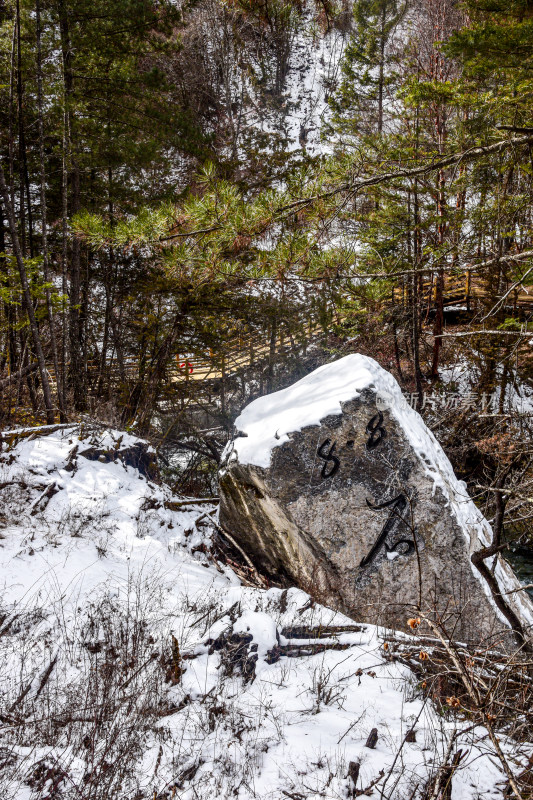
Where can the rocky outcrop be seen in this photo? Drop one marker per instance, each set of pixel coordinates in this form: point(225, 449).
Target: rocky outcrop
point(335, 484)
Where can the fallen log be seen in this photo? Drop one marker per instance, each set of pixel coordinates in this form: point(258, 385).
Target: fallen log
point(15, 377)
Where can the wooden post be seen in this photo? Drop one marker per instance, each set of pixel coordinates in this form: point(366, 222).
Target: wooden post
point(271, 354)
point(223, 386)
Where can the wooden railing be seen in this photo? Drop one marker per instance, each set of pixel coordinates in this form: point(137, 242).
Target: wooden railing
point(467, 288)
point(240, 352)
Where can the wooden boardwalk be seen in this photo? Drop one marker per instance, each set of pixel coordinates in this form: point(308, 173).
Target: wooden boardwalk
point(245, 351)
point(470, 290)
point(240, 353)
point(209, 366)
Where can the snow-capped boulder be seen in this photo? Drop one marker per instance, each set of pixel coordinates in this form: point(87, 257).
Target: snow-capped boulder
point(337, 485)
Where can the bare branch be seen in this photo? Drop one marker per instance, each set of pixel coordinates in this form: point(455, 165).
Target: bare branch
point(414, 172)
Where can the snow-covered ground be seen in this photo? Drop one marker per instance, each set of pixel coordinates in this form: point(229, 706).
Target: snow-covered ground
point(463, 378)
point(134, 665)
point(313, 70)
point(293, 123)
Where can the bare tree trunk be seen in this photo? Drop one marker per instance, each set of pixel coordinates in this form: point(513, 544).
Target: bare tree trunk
point(381, 81)
point(44, 222)
point(4, 192)
point(22, 208)
point(416, 303)
point(4, 306)
point(23, 156)
point(25, 362)
point(115, 323)
point(271, 354)
point(438, 327)
point(64, 257)
point(12, 311)
point(108, 295)
point(11, 117)
point(76, 365)
point(478, 560)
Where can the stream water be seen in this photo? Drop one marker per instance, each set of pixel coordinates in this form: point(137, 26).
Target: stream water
point(521, 560)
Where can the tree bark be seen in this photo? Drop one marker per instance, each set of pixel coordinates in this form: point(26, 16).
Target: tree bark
point(23, 155)
point(18, 376)
point(381, 80)
point(76, 365)
point(64, 258)
point(272, 354)
point(4, 192)
point(438, 327)
point(44, 222)
point(478, 560)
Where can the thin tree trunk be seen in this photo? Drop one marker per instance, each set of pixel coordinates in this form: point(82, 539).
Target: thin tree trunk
point(108, 295)
point(44, 222)
point(76, 366)
point(478, 560)
point(115, 328)
point(22, 210)
point(50, 416)
point(25, 362)
point(397, 350)
point(271, 354)
point(222, 384)
point(438, 327)
point(23, 157)
point(417, 258)
point(76, 371)
point(11, 117)
point(3, 304)
point(416, 305)
point(11, 345)
point(64, 257)
point(381, 81)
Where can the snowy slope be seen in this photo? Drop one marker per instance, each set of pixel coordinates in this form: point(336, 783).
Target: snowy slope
point(132, 665)
point(314, 69)
point(293, 122)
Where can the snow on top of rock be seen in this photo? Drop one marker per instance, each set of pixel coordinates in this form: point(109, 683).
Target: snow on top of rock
point(267, 421)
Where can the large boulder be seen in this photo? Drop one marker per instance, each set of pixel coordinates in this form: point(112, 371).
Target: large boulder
point(337, 485)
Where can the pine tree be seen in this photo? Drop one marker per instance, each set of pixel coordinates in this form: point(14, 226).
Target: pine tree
point(362, 93)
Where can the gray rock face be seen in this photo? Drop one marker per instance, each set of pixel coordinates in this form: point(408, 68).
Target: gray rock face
point(360, 508)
